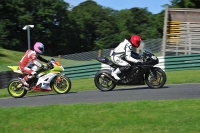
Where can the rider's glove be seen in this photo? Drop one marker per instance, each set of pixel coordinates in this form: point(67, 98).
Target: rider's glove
point(44, 67)
point(140, 62)
point(50, 65)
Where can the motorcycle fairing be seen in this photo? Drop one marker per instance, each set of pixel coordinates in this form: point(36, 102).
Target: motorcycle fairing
point(130, 79)
point(104, 60)
point(45, 80)
point(57, 68)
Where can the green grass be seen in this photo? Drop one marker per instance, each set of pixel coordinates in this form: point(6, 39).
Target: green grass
point(170, 116)
point(9, 56)
point(184, 76)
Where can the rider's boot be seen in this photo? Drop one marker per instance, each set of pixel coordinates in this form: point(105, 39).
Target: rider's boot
point(114, 73)
point(26, 85)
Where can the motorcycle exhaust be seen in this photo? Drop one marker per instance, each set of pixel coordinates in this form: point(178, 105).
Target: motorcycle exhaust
point(111, 78)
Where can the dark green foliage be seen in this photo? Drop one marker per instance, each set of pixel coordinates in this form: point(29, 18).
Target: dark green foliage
point(88, 26)
point(185, 3)
point(50, 18)
point(96, 26)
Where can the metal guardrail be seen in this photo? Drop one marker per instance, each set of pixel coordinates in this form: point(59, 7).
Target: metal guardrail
point(82, 71)
point(182, 62)
point(5, 78)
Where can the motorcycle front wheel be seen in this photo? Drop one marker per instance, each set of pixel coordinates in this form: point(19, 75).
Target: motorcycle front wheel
point(61, 84)
point(156, 80)
point(103, 82)
point(15, 88)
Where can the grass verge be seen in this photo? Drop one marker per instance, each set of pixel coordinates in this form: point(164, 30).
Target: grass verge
point(170, 116)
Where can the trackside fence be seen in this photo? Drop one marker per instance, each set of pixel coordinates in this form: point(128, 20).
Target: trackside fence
point(82, 71)
point(5, 78)
point(182, 62)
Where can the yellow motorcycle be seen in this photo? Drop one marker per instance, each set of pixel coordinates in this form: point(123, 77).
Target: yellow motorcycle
point(46, 80)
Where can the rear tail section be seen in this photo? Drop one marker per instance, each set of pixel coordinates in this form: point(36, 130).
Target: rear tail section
point(15, 69)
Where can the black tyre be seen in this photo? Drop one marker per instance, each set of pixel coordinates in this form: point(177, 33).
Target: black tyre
point(61, 84)
point(103, 82)
point(15, 88)
point(156, 80)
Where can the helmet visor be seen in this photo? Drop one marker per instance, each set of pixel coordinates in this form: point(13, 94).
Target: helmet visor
point(138, 43)
point(41, 49)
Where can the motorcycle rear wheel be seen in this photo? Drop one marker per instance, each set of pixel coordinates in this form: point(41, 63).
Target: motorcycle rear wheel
point(63, 86)
point(15, 89)
point(102, 82)
point(158, 82)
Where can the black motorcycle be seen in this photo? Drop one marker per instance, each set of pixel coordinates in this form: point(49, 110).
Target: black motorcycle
point(138, 74)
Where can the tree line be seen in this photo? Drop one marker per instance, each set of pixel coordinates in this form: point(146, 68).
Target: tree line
point(88, 26)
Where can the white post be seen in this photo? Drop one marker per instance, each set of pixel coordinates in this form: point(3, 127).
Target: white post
point(165, 31)
point(27, 27)
point(190, 48)
point(28, 36)
point(176, 47)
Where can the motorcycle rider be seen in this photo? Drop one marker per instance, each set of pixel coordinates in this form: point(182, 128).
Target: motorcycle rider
point(31, 56)
point(122, 53)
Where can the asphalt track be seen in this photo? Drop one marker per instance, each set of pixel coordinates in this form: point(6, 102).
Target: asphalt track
point(183, 91)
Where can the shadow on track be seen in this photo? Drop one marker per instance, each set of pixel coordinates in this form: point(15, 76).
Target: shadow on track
point(139, 88)
point(39, 95)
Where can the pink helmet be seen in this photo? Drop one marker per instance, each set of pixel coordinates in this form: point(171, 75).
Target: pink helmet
point(39, 47)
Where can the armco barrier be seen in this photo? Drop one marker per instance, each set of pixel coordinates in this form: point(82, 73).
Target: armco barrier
point(182, 62)
point(82, 71)
point(5, 78)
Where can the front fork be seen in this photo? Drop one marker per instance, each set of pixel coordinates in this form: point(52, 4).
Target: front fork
point(58, 78)
point(153, 74)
